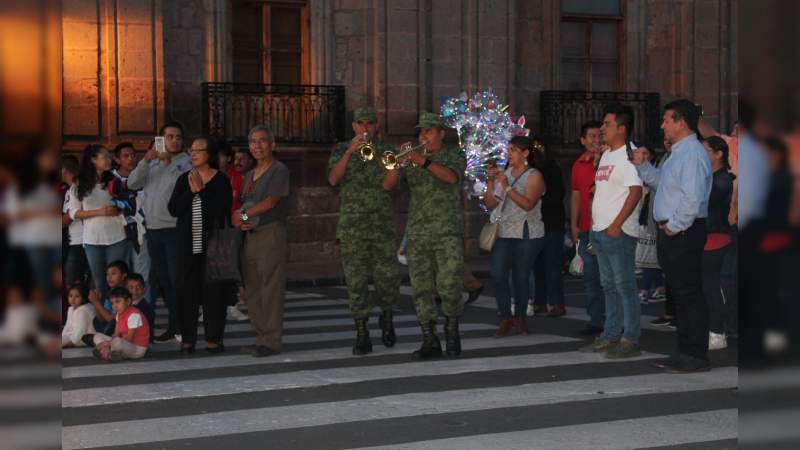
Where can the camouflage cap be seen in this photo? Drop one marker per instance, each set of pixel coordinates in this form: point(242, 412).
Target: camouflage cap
point(429, 120)
point(365, 113)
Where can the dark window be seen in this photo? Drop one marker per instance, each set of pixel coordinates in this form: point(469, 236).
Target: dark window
point(270, 41)
point(590, 45)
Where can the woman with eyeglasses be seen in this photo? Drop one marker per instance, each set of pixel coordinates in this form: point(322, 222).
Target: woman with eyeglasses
point(201, 201)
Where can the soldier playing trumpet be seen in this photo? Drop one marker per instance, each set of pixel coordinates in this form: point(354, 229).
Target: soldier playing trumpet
point(367, 240)
point(435, 231)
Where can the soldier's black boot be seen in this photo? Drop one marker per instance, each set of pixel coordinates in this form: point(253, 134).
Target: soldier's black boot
point(452, 336)
point(363, 343)
point(431, 347)
point(386, 323)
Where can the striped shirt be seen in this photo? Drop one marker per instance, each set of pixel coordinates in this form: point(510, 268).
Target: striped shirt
point(197, 225)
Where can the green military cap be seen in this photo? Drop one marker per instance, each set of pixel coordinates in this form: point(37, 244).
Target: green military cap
point(429, 120)
point(365, 113)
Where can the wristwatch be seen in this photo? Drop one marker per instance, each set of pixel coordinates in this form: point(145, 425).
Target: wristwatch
point(244, 215)
point(426, 163)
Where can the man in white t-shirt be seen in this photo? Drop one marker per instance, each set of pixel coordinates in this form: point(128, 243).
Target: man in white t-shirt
point(615, 212)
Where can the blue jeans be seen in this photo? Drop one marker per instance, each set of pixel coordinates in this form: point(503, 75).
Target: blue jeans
point(652, 279)
point(515, 256)
point(74, 264)
point(617, 261)
point(140, 263)
point(162, 244)
point(100, 256)
point(595, 300)
point(547, 271)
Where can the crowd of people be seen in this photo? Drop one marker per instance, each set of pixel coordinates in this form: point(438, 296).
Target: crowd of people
point(137, 231)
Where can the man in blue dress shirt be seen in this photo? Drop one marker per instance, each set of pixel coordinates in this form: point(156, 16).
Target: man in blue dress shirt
point(683, 185)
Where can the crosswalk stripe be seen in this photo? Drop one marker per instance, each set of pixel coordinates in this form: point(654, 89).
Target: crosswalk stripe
point(317, 389)
point(307, 379)
point(388, 407)
point(288, 339)
point(328, 354)
point(673, 429)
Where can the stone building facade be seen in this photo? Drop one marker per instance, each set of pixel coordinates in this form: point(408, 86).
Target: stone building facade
point(129, 65)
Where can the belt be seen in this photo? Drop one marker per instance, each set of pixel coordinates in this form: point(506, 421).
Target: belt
point(698, 221)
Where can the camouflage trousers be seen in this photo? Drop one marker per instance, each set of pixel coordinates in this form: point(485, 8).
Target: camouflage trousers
point(436, 266)
point(362, 258)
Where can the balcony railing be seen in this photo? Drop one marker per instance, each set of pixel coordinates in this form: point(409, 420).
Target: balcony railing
point(297, 114)
point(563, 113)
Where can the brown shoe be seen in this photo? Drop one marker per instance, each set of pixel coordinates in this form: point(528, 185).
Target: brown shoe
point(520, 327)
point(557, 311)
point(506, 329)
point(539, 310)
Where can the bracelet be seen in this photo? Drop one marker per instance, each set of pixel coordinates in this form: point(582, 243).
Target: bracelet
point(426, 163)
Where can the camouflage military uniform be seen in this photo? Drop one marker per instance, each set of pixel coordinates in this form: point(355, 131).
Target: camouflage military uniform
point(366, 233)
point(435, 236)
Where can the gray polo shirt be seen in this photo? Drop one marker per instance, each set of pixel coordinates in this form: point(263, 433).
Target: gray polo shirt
point(273, 182)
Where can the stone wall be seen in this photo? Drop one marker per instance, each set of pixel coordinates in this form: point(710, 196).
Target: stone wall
point(128, 65)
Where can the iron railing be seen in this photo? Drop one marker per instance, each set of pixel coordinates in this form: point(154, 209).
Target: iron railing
point(563, 113)
point(297, 114)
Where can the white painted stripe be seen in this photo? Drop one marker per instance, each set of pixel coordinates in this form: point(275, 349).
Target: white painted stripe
point(294, 295)
point(328, 354)
point(172, 346)
point(39, 397)
point(764, 429)
point(323, 377)
point(388, 407)
point(673, 429)
point(320, 312)
point(31, 435)
point(299, 324)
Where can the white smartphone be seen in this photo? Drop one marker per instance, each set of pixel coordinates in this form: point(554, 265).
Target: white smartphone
point(159, 144)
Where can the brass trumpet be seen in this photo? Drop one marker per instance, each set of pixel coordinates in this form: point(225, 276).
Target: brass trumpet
point(367, 149)
point(390, 158)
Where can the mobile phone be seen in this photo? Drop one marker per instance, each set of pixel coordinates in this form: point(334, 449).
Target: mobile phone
point(159, 144)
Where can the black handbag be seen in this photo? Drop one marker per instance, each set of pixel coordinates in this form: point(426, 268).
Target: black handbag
point(222, 255)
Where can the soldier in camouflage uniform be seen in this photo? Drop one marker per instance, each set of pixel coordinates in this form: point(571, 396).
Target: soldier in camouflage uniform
point(435, 231)
point(367, 240)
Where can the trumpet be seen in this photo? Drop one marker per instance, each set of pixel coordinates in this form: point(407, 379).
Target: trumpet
point(367, 149)
point(390, 159)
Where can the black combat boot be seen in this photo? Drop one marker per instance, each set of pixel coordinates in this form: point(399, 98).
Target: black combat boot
point(431, 347)
point(452, 336)
point(387, 328)
point(363, 343)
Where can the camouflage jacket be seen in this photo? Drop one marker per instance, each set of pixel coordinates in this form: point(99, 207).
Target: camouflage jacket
point(365, 208)
point(435, 207)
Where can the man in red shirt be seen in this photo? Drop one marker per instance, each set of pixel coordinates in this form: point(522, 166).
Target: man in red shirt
point(226, 165)
point(583, 175)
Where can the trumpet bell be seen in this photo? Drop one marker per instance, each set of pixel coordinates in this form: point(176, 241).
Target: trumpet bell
point(389, 160)
point(367, 151)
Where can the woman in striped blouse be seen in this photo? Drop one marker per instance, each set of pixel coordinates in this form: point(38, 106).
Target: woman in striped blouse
point(201, 201)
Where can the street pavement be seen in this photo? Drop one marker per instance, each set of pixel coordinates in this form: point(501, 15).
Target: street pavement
point(520, 392)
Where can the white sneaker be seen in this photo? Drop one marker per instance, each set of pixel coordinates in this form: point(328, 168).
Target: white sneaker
point(512, 308)
point(235, 314)
point(529, 312)
point(179, 338)
point(717, 341)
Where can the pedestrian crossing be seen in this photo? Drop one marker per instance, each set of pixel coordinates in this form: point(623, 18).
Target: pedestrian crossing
point(525, 392)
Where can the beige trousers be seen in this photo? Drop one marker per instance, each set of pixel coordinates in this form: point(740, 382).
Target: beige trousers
point(264, 273)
